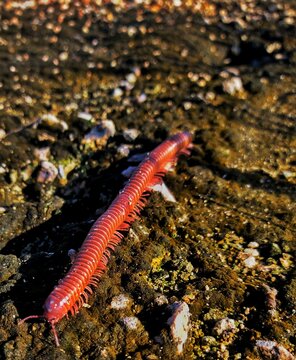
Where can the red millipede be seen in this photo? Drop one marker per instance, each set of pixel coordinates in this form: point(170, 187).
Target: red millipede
point(73, 290)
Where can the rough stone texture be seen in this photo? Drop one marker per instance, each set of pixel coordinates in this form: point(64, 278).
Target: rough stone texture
point(157, 67)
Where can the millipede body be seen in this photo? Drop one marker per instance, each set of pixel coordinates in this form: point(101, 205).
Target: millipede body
point(73, 290)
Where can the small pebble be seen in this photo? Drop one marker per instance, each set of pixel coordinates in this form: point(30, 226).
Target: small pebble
point(117, 93)
point(98, 136)
point(250, 262)
point(131, 322)
point(131, 134)
point(47, 173)
point(52, 121)
point(3, 169)
point(187, 105)
point(2, 134)
point(84, 116)
point(123, 150)
point(233, 85)
point(253, 245)
point(164, 191)
point(42, 153)
point(142, 98)
point(161, 300)
point(251, 252)
point(120, 302)
point(179, 324)
point(131, 78)
point(223, 325)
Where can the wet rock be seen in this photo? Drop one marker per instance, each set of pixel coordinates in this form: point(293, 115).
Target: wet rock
point(9, 265)
point(179, 324)
point(15, 349)
point(8, 316)
point(290, 293)
point(21, 217)
point(131, 78)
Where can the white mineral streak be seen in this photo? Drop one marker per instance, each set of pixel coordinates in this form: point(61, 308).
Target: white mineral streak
point(179, 324)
